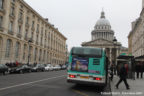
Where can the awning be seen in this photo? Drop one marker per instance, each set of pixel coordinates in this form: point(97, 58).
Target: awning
point(140, 58)
point(125, 57)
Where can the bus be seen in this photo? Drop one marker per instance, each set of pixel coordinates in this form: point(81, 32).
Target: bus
point(87, 66)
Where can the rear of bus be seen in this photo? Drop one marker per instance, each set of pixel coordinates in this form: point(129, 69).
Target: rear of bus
point(87, 66)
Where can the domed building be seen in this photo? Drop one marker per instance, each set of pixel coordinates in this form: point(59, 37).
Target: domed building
point(103, 37)
point(102, 29)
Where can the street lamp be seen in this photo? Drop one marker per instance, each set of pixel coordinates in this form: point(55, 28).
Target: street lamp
point(115, 43)
point(29, 41)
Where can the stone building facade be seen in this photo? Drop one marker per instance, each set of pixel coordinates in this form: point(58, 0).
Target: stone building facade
point(136, 36)
point(103, 37)
point(25, 34)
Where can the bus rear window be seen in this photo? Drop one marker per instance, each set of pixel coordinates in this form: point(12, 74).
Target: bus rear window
point(87, 52)
point(80, 64)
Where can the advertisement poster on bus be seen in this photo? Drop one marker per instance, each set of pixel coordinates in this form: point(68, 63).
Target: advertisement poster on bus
point(80, 64)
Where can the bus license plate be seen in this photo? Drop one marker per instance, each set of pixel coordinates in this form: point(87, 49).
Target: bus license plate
point(84, 77)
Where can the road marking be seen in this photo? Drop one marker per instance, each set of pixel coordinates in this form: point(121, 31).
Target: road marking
point(79, 92)
point(30, 83)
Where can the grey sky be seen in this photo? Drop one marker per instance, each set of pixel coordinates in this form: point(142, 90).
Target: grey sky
point(76, 19)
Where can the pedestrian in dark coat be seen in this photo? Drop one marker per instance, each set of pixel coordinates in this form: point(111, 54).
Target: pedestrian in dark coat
point(123, 77)
point(112, 72)
point(137, 69)
point(141, 69)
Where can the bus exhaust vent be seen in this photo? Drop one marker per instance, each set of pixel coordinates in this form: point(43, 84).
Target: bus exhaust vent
point(96, 61)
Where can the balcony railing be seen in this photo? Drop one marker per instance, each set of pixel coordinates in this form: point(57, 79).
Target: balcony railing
point(2, 11)
point(12, 16)
point(19, 35)
point(10, 32)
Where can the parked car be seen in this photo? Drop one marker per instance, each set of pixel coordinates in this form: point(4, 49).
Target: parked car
point(57, 67)
point(3, 69)
point(49, 68)
point(38, 67)
point(63, 67)
point(20, 69)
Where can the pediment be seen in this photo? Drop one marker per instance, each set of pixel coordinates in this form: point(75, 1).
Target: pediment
point(99, 42)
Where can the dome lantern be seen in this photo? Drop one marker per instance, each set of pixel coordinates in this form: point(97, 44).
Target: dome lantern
point(102, 14)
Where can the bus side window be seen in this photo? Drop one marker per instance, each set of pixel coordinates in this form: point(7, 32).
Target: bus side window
point(96, 61)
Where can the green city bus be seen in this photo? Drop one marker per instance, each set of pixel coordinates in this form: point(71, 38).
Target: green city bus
point(87, 66)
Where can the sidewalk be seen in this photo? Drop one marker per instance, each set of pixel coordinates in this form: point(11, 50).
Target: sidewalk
point(136, 87)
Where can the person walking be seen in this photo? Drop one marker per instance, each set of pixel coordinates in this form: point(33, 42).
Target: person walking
point(141, 69)
point(137, 69)
point(111, 72)
point(123, 77)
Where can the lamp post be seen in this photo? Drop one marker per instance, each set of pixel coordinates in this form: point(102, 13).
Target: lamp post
point(115, 43)
point(29, 41)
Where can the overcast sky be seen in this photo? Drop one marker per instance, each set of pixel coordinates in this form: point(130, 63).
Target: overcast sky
point(75, 19)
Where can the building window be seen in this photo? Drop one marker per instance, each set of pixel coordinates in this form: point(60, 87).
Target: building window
point(41, 40)
point(24, 52)
point(8, 48)
point(27, 20)
point(1, 4)
point(11, 26)
point(37, 28)
point(35, 54)
point(19, 29)
point(37, 38)
point(1, 46)
point(12, 11)
point(1, 20)
point(33, 24)
point(17, 50)
point(32, 35)
point(40, 55)
point(13, 1)
point(20, 15)
point(44, 55)
point(26, 34)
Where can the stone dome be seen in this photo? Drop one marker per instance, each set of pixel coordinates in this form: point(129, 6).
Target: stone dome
point(102, 29)
point(103, 23)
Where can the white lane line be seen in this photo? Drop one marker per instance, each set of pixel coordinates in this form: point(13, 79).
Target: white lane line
point(30, 83)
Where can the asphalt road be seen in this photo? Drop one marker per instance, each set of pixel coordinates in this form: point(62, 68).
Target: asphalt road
point(45, 84)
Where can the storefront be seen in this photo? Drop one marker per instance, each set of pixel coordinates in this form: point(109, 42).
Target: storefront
point(129, 60)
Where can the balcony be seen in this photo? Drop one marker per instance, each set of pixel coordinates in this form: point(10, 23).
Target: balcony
point(19, 35)
point(12, 16)
point(10, 32)
point(2, 11)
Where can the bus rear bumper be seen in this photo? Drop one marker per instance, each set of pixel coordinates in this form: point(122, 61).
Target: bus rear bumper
point(86, 82)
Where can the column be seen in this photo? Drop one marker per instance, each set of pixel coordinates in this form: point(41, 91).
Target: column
point(110, 55)
point(117, 52)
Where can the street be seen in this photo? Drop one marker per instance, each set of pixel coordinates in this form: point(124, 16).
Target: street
point(44, 84)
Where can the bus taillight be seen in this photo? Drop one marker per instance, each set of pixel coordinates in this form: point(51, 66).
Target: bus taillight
point(96, 78)
point(72, 76)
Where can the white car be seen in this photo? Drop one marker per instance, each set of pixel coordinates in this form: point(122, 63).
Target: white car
point(57, 67)
point(48, 68)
